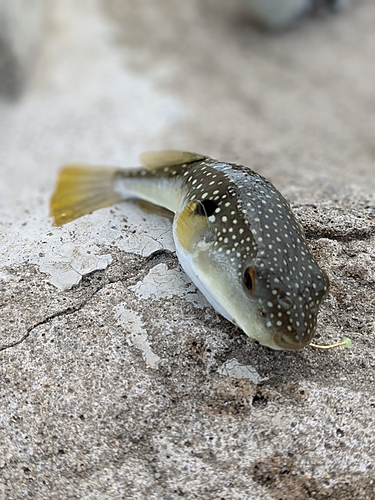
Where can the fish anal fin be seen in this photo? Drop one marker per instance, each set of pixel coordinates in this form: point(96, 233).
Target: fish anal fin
point(151, 208)
point(152, 160)
point(189, 227)
point(80, 190)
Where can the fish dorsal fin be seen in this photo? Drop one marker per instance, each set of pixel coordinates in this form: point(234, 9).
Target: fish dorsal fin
point(152, 160)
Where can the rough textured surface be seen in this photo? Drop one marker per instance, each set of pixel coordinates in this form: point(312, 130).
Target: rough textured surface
point(117, 379)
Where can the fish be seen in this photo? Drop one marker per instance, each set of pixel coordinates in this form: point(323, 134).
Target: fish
point(235, 235)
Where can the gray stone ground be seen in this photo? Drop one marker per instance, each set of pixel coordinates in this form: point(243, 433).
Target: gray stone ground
point(118, 381)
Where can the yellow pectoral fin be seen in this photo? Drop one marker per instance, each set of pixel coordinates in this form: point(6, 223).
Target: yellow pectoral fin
point(190, 228)
point(152, 160)
point(80, 190)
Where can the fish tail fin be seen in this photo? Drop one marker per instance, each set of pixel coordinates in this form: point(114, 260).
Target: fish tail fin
point(80, 190)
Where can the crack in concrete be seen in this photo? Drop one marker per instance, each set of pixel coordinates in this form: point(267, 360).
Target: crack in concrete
point(67, 311)
point(159, 255)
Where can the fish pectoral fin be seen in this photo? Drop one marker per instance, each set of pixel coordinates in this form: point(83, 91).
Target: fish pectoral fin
point(153, 160)
point(151, 208)
point(80, 190)
point(190, 227)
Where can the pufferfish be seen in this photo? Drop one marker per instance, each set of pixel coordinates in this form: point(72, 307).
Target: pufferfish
point(235, 235)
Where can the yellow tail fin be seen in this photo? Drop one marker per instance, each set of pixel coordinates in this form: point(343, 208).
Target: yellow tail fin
point(80, 190)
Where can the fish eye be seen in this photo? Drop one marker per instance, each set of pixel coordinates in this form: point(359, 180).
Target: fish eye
point(249, 279)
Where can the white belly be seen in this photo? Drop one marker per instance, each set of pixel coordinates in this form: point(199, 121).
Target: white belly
point(200, 279)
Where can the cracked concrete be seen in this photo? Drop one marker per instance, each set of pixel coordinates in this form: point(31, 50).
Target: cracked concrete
point(117, 378)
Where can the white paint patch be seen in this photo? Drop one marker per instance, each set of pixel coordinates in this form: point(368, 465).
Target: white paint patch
point(234, 369)
point(137, 335)
point(142, 234)
point(162, 282)
point(67, 264)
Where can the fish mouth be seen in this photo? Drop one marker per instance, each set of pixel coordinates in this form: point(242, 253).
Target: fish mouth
point(291, 341)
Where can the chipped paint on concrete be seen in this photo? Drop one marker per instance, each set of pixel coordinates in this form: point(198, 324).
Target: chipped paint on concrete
point(136, 334)
point(234, 369)
point(33, 239)
point(69, 263)
point(162, 282)
point(141, 234)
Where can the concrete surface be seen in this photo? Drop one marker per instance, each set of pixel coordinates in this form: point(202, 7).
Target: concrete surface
point(118, 381)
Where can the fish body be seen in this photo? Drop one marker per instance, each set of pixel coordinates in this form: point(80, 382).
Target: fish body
point(235, 234)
